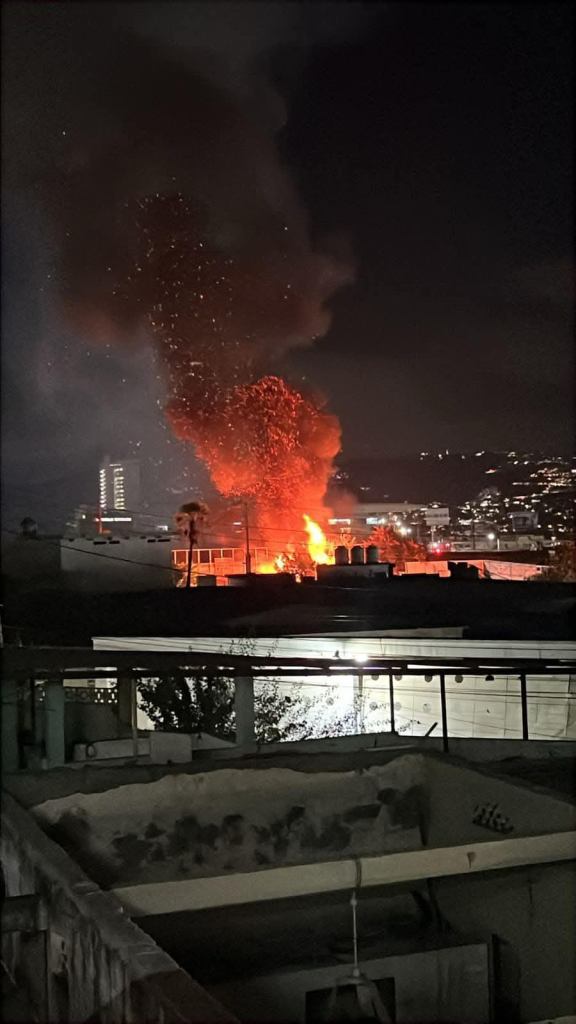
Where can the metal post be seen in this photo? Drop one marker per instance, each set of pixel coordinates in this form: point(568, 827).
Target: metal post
point(524, 703)
point(10, 752)
point(248, 557)
point(444, 714)
point(392, 712)
point(190, 546)
point(134, 715)
point(244, 708)
point(358, 701)
point(54, 711)
point(33, 711)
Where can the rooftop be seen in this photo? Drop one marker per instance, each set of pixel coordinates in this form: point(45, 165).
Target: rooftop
point(488, 609)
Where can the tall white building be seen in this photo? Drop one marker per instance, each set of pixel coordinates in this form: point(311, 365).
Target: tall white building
point(119, 484)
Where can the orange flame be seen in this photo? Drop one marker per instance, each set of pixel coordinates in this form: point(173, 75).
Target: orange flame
point(317, 543)
point(267, 568)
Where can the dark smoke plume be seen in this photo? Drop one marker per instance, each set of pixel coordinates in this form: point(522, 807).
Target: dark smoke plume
point(179, 221)
point(171, 132)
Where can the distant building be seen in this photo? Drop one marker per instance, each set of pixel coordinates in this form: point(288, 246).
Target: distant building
point(119, 485)
point(524, 520)
point(117, 563)
point(408, 517)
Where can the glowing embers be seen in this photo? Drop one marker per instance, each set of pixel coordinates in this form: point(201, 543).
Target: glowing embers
point(263, 442)
point(217, 319)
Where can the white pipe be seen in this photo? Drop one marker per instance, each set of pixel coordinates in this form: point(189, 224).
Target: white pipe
point(332, 876)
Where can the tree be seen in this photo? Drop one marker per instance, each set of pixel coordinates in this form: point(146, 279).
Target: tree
point(393, 547)
point(187, 520)
point(562, 568)
point(177, 703)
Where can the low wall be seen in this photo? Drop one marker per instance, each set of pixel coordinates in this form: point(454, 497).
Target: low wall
point(90, 963)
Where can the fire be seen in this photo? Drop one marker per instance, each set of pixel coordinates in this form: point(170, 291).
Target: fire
point(317, 549)
point(219, 320)
point(317, 543)
point(278, 565)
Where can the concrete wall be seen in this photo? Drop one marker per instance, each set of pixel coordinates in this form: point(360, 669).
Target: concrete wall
point(228, 821)
point(525, 914)
point(193, 825)
point(450, 984)
point(530, 912)
point(117, 563)
point(88, 962)
point(461, 803)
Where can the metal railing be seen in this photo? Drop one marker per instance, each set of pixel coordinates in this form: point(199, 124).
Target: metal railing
point(524, 698)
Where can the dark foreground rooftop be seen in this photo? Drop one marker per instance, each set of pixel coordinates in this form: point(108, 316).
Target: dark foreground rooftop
point(487, 609)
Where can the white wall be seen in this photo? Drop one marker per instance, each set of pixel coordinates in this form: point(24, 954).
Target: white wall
point(126, 563)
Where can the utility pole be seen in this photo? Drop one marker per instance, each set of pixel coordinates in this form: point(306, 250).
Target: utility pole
point(248, 558)
point(191, 535)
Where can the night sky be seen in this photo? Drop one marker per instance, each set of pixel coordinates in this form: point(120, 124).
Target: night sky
point(428, 147)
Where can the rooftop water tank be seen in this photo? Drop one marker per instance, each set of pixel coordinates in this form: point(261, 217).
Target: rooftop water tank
point(341, 555)
point(372, 554)
point(357, 555)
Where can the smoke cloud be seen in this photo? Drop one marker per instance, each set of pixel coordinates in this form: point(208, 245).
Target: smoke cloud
point(179, 222)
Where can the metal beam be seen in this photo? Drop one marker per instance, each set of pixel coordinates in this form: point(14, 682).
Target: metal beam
point(26, 661)
point(332, 876)
point(444, 712)
point(524, 703)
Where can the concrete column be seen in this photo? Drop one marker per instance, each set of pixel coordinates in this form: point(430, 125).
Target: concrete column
point(244, 708)
point(128, 709)
point(10, 753)
point(54, 723)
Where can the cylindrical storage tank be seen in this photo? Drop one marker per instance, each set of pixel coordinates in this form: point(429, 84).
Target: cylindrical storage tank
point(341, 555)
point(372, 554)
point(357, 555)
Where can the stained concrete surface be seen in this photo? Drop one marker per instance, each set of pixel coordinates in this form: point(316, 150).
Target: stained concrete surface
point(197, 825)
